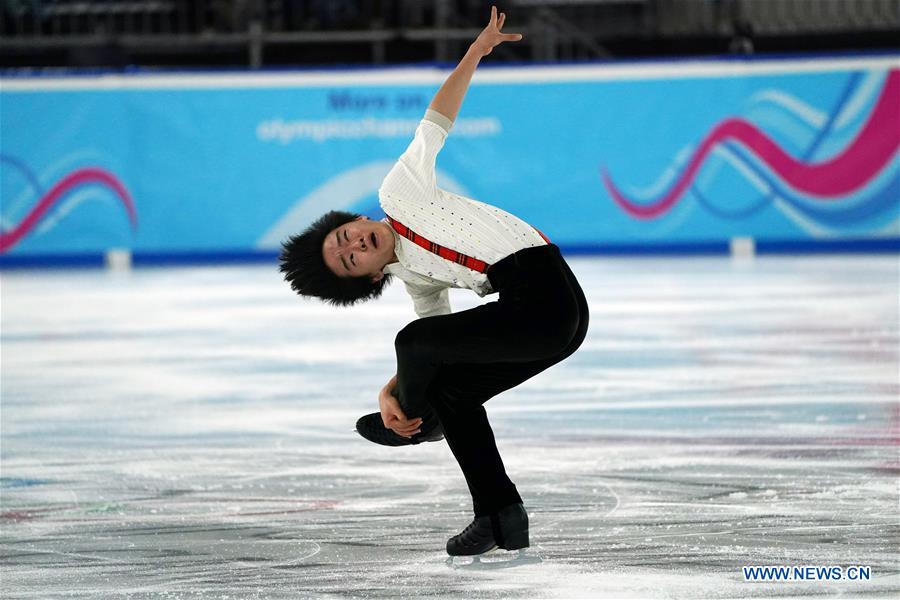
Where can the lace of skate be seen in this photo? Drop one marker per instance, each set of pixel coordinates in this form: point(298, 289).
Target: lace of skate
point(468, 535)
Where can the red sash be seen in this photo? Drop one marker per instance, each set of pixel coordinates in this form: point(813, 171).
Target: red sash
point(445, 253)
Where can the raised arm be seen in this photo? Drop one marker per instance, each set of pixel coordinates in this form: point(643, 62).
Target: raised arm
point(449, 98)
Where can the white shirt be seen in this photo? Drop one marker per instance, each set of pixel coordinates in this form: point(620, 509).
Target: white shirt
point(410, 195)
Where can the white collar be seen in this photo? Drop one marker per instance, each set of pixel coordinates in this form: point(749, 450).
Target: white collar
point(399, 252)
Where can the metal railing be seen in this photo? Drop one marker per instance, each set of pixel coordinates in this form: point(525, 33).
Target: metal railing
point(554, 29)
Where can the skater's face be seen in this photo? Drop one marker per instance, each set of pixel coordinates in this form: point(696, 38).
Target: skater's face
point(360, 247)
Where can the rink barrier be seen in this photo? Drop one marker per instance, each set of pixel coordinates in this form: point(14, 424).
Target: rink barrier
point(649, 174)
point(240, 257)
point(675, 60)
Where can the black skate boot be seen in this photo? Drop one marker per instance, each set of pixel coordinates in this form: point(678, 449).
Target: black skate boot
point(372, 428)
point(507, 529)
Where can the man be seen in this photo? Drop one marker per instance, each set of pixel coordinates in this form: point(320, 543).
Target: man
point(450, 364)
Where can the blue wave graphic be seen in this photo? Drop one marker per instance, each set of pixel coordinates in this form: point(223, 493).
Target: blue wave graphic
point(872, 206)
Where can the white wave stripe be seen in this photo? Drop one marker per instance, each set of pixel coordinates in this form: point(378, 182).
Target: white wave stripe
point(812, 116)
point(68, 205)
point(727, 155)
point(788, 125)
point(824, 231)
point(56, 171)
point(711, 168)
point(892, 228)
point(665, 179)
point(338, 193)
point(679, 215)
point(18, 205)
point(676, 218)
point(856, 198)
point(737, 162)
point(808, 225)
point(861, 97)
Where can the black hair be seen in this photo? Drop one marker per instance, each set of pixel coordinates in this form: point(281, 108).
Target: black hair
point(305, 269)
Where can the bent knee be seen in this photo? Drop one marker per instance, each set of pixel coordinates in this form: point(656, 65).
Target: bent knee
point(566, 333)
point(412, 339)
point(561, 336)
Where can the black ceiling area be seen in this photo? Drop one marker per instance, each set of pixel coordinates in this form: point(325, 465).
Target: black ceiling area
point(254, 34)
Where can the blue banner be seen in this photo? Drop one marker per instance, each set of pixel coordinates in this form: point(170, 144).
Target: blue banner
point(595, 156)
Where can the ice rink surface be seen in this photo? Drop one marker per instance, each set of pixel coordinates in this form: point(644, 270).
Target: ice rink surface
point(184, 433)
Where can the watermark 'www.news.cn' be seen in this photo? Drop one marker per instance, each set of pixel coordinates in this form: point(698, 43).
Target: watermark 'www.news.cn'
point(807, 573)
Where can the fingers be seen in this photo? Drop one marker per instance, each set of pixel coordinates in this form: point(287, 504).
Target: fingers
point(392, 420)
point(499, 22)
point(408, 431)
point(403, 426)
point(407, 423)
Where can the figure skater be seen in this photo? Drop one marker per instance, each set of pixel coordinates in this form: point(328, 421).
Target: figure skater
point(450, 364)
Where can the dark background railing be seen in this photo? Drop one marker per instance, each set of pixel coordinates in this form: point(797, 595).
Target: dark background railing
point(260, 33)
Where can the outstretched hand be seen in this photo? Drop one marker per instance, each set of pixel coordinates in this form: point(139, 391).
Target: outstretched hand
point(491, 35)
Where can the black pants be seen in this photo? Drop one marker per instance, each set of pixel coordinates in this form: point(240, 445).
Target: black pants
point(448, 366)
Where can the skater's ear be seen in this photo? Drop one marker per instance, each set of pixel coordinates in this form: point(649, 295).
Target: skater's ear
point(377, 277)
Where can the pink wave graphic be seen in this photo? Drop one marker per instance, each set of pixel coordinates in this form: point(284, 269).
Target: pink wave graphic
point(89, 175)
point(859, 162)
